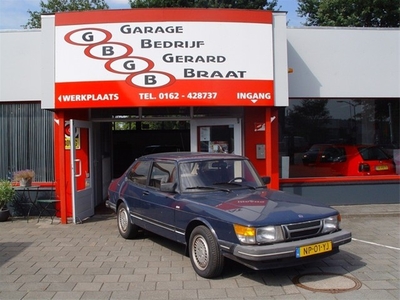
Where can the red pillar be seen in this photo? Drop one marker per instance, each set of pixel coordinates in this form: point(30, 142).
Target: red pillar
point(59, 160)
point(272, 146)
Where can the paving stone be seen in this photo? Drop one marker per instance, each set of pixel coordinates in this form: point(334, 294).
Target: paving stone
point(379, 285)
point(115, 286)
point(34, 286)
point(196, 284)
point(227, 283)
point(13, 295)
point(39, 295)
point(183, 294)
point(88, 286)
point(122, 295)
point(97, 271)
point(92, 261)
point(145, 295)
point(131, 278)
point(106, 278)
point(91, 295)
point(212, 293)
point(140, 286)
point(80, 278)
point(169, 285)
point(9, 287)
point(67, 295)
point(61, 287)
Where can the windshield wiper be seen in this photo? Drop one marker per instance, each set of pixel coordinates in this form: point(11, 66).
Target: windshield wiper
point(240, 185)
point(259, 187)
point(200, 188)
point(207, 188)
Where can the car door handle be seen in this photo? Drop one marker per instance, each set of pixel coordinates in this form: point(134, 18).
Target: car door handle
point(146, 193)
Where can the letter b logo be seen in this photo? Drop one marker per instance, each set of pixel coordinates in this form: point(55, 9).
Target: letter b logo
point(108, 51)
point(150, 80)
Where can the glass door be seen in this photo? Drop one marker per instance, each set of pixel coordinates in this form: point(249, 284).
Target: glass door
point(81, 170)
point(216, 135)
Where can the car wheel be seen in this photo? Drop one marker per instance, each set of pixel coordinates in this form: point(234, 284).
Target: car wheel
point(205, 255)
point(125, 227)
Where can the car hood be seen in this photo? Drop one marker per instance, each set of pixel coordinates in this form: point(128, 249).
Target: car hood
point(262, 207)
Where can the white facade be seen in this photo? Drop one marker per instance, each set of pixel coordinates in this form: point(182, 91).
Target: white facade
point(20, 65)
point(343, 62)
point(326, 63)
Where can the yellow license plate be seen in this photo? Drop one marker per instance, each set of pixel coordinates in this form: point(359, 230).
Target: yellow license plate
point(313, 249)
point(381, 168)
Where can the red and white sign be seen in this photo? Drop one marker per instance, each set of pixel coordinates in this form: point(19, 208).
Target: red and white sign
point(164, 57)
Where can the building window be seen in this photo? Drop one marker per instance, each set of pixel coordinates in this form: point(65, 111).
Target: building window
point(339, 137)
point(26, 138)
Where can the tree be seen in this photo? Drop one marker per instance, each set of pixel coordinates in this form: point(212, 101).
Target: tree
point(310, 119)
point(354, 13)
point(53, 6)
point(242, 4)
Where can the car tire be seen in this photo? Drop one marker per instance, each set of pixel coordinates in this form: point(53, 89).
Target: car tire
point(125, 227)
point(205, 255)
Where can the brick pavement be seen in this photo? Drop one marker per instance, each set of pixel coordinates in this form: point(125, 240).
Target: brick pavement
point(91, 261)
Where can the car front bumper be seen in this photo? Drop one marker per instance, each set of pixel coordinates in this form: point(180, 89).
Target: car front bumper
point(282, 254)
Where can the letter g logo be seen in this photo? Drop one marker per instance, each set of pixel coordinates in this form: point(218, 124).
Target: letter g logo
point(87, 36)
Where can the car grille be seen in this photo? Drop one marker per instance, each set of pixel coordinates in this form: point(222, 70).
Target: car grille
point(303, 230)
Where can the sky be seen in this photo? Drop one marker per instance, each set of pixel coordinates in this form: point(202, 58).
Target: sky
point(14, 13)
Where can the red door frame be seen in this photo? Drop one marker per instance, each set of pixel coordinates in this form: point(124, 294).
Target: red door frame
point(261, 128)
point(268, 166)
point(62, 159)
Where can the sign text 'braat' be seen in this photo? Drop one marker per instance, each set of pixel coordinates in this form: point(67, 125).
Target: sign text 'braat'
point(189, 59)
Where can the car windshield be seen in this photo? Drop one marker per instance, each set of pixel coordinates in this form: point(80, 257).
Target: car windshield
point(372, 153)
point(218, 174)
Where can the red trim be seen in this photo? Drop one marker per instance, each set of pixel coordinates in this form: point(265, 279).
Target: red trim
point(163, 15)
point(37, 183)
point(340, 180)
point(212, 92)
point(271, 146)
point(59, 159)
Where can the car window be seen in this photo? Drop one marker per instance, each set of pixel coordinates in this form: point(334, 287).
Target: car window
point(315, 148)
point(372, 153)
point(333, 154)
point(217, 172)
point(162, 172)
point(140, 172)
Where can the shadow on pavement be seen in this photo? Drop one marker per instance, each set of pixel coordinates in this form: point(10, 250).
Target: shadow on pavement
point(9, 250)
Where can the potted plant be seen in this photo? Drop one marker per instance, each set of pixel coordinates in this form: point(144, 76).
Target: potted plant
point(6, 196)
point(24, 177)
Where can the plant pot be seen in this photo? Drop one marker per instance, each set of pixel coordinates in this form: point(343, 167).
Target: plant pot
point(25, 182)
point(4, 215)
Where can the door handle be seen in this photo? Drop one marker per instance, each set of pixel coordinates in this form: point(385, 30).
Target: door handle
point(78, 162)
point(146, 193)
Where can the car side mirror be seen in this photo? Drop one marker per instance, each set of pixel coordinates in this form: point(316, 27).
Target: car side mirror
point(266, 179)
point(167, 187)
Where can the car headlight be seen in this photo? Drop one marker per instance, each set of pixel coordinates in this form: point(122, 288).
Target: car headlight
point(269, 234)
point(262, 235)
point(331, 224)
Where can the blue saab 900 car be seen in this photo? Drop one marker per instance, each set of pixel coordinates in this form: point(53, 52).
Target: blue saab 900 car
point(219, 207)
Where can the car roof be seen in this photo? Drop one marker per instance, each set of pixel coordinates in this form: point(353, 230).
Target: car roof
point(190, 156)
